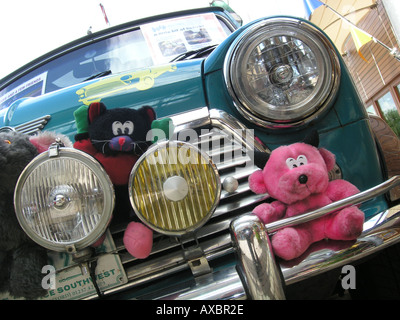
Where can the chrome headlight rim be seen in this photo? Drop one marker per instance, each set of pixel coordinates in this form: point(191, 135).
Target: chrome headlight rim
point(275, 27)
point(211, 166)
point(106, 214)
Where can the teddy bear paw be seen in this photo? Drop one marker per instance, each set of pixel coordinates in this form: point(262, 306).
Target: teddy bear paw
point(265, 212)
point(290, 243)
point(138, 240)
point(347, 224)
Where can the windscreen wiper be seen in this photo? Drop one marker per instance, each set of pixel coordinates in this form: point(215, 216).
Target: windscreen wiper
point(98, 75)
point(194, 53)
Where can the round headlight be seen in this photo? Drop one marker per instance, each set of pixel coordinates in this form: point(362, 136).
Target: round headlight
point(174, 188)
point(282, 72)
point(64, 202)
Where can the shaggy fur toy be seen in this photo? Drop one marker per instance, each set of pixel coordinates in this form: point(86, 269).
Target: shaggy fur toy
point(116, 138)
point(21, 260)
point(296, 176)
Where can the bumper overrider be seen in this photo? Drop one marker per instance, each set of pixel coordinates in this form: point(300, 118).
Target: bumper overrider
point(225, 254)
point(264, 278)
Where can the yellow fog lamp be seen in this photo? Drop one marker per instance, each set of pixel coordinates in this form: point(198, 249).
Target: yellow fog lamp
point(64, 199)
point(174, 188)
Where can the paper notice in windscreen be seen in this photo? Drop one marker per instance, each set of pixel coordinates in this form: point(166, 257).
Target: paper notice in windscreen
point(167, 39)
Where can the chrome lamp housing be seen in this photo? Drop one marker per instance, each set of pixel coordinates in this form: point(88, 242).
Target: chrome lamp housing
point(64, 200)
point(281, 73)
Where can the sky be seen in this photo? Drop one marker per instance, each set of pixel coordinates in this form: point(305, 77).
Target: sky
point(32, 28)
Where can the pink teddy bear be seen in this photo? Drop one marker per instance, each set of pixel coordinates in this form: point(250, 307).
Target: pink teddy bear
point(296, 176)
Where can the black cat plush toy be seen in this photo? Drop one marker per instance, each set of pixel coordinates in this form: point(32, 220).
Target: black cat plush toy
point(117, 138)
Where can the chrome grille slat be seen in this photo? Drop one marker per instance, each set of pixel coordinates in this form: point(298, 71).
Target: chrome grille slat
point(167, 243)
point(33, 126)
point(239, 161)
point(216, 154)
point(249, 200)
point(175, 260)
point(167, 257)
point(240, 173)
point(162, 243)
point(243, 188)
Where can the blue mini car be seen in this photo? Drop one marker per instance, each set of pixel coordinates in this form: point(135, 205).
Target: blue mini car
point(232, 92)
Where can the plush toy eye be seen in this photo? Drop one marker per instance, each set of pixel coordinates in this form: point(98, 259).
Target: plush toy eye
point(301, 160)
point(118, 128)
point(295, 163)
point(128, 127)
point(291, 163)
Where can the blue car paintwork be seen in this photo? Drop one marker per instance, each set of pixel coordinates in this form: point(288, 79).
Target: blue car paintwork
point(341, 128)
point(171, 92)
point(198, 83)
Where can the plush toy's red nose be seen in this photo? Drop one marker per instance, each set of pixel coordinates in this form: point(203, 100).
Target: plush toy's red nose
point(121, 144)
point(121, 141)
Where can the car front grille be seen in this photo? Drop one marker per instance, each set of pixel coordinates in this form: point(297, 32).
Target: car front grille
point(172, 255)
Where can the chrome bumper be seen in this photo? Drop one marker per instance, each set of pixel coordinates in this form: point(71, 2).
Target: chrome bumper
point(253, 273)
point(258, 276)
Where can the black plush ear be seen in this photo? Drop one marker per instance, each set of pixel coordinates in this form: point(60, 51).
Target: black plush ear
point(260, 159)
point(95, 110)
point(312, 138)
point(148, 113)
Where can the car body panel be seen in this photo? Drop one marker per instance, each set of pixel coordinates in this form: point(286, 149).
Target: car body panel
point(183, 80)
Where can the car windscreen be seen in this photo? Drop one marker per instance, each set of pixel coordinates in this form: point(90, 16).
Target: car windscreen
point(150, 44)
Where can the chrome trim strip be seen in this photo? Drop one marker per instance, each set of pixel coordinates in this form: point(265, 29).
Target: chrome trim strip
point(339, 253)
point(224, 121)
point(203, 117)
point(222, 285)
point(174, 262)
point(33, 126)
point(190, 120)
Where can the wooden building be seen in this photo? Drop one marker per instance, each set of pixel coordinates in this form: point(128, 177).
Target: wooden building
point(377, 78)
point(376, 71)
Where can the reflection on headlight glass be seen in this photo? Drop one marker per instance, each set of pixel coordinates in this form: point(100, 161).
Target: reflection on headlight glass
point(64, 206)
point(282, 71)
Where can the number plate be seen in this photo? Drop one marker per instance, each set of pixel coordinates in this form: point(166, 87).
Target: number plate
point(71, 284)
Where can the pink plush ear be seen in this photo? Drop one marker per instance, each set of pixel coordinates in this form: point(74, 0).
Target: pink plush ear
point(256, 182)
point(43, 140)
point(328, 157)
point(40, 145)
